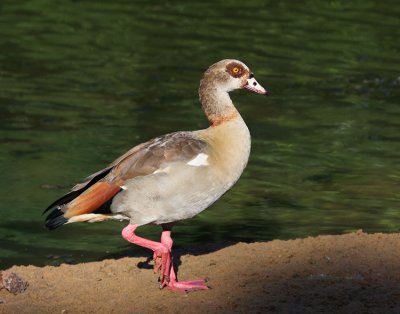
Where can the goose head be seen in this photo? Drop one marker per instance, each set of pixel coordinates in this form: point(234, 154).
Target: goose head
point(228, 75)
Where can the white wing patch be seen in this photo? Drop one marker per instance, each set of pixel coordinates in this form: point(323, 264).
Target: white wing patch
point(163, 170)
point(199, 160)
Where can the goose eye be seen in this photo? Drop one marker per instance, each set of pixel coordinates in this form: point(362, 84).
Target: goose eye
point(235, 70)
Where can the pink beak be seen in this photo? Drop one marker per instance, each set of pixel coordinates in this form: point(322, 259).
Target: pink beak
point(254, 86)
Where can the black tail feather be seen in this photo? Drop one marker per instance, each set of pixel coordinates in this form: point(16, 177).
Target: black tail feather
point(56, 217)
point(64, 200)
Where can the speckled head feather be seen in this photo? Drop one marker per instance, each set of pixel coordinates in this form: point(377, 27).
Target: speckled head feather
point(228, 75)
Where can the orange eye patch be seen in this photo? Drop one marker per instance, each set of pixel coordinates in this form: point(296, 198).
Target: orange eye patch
point(235, 69)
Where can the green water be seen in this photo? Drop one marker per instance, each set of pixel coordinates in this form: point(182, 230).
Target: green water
point(82, 82)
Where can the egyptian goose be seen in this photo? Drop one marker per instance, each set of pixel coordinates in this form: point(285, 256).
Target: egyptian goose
point(172, 177)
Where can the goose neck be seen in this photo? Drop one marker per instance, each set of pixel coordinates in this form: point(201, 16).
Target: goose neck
point(216, 103)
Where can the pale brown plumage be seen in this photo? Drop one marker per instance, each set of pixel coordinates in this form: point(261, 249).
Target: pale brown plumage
point(156, 182)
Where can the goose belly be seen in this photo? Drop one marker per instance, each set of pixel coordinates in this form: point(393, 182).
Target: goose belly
point(177, 193)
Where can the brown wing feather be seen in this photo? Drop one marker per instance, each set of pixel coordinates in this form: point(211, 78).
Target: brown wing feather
point(179, 146)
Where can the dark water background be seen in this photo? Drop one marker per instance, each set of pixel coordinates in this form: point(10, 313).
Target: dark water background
point(82, 82)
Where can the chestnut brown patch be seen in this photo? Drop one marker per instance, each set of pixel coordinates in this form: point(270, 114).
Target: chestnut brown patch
point(235, 69)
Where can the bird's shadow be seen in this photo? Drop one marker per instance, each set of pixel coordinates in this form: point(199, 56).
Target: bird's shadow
point(177, 253)
point(198, 250)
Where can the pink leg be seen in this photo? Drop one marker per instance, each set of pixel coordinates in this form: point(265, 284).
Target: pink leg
point(162, 255)
point(163, 260)
point(173, 284)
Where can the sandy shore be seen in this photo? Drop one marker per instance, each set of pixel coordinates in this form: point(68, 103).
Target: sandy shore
point(353, 273)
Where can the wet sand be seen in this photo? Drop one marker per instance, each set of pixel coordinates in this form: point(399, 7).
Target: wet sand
point(353, 273)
